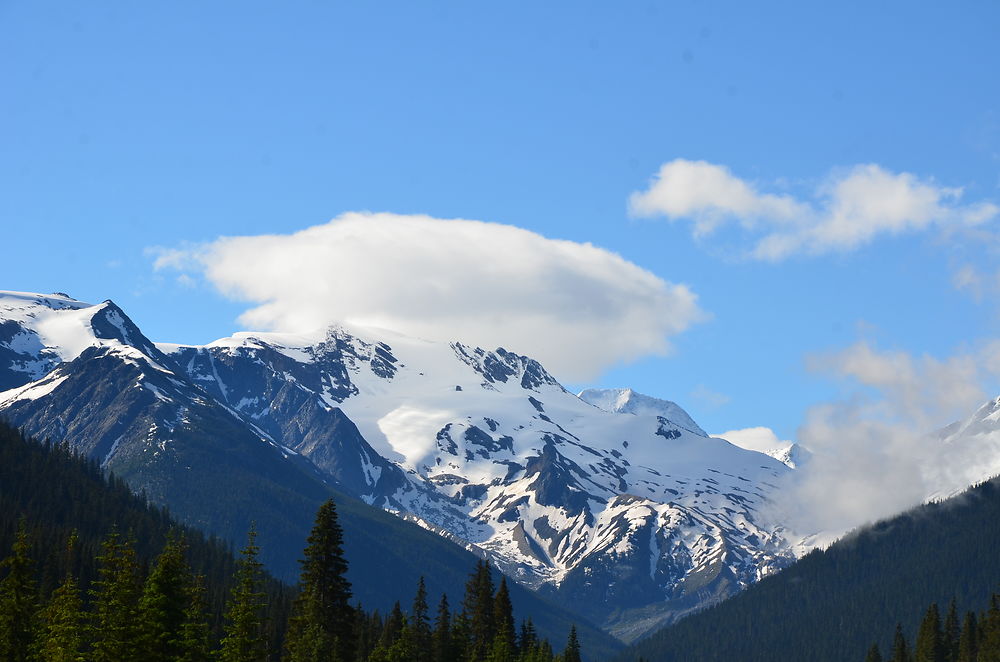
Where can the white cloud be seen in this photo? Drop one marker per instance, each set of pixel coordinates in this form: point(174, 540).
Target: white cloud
point(760, 439)
point(977, 283)
point(876, 453)
point(576, 307)
point(846, 211)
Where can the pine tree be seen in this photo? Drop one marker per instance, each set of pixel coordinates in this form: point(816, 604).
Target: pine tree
point(968, 640)
point(478, 610)
point(163, 608)
point(572, 652)
point(116, 602)
point(244, 639)
point(989, 633)
point(442, 647)
point(322, 623)
point(503, 618)
point(194, 642)
point(64, 632)
point(874, 655)
point(420, 625)
point(900, 651)
point(950, 633)
point(18, 601)
point(928, 646)
point(529, 637)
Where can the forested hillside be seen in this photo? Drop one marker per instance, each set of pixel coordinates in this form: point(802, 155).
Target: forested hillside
point(833, 604)
point(80, 545)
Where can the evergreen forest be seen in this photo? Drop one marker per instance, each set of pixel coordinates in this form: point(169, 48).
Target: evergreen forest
point(85, 581)
point(973, 638)
point(833, 604)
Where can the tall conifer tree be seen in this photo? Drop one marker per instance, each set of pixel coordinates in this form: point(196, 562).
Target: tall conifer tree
point(322, 624)
point(195, 645)
point(420, 625)
point(443, 648)
point(968, 640)
point(572, 652)
point(244, 639)
point(116, 602)
point(478, 610)
point(64, 632)
point(18, 601)
point(928, 646)
point(950, 633)
point(900, 650)
point(163, 608)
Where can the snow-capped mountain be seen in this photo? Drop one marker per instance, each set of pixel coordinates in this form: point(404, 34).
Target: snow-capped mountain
point(627, 401)
point(629, 512)
point(84, 375)
point(615, 504)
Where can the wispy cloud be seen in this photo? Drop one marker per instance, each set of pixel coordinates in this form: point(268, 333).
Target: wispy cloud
point(876, 452)
point(576, 307)
point(848, 210)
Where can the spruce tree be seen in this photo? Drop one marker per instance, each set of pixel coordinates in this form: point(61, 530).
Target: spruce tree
point(18, 601)
point(64, 631)
point(441, 640)
point(928, 646)
point(900, 651)
point(950, 633)
point(116, 602)
point(322, 623)
point(503, 618)
point(989, 633)
point(968, 640)
point(874, 655)
point(163, 608)
point(572, 652)
point(194, 642)
point(420, 625)
point(244, 639)
point(529, 637)
point(478, 610)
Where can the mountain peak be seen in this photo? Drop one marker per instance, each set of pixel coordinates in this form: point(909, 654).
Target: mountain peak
point(628, 401)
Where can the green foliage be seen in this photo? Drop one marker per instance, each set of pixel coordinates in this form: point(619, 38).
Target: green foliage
point(116, 602)
point(18, 602)
point(572, 652)
point(143, 603)
point(833, 604)
point(930, 646)
point(163, 608)
point(244, 640)
point(322, 623)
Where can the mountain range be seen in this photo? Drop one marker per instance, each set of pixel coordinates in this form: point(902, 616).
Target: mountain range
point(615, 506)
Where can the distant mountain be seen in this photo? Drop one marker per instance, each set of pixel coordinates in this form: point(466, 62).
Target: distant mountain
point(86, 376)
point(832, 605)
point(627, 401)
point(632, 519)
point(763, 440)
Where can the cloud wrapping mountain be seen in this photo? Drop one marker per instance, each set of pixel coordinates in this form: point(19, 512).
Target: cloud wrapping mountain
point(577, 307)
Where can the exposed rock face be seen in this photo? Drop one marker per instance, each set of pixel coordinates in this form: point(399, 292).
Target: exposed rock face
point(629, 513)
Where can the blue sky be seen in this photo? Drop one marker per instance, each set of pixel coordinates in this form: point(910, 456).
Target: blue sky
point(131, 126)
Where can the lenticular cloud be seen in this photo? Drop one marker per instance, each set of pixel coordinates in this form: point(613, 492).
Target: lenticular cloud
point(576, 307)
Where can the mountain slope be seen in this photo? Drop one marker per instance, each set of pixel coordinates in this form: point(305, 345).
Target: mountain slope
point(627, 401)
point(111, 394)
point(633, 518)
point(831, 605)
